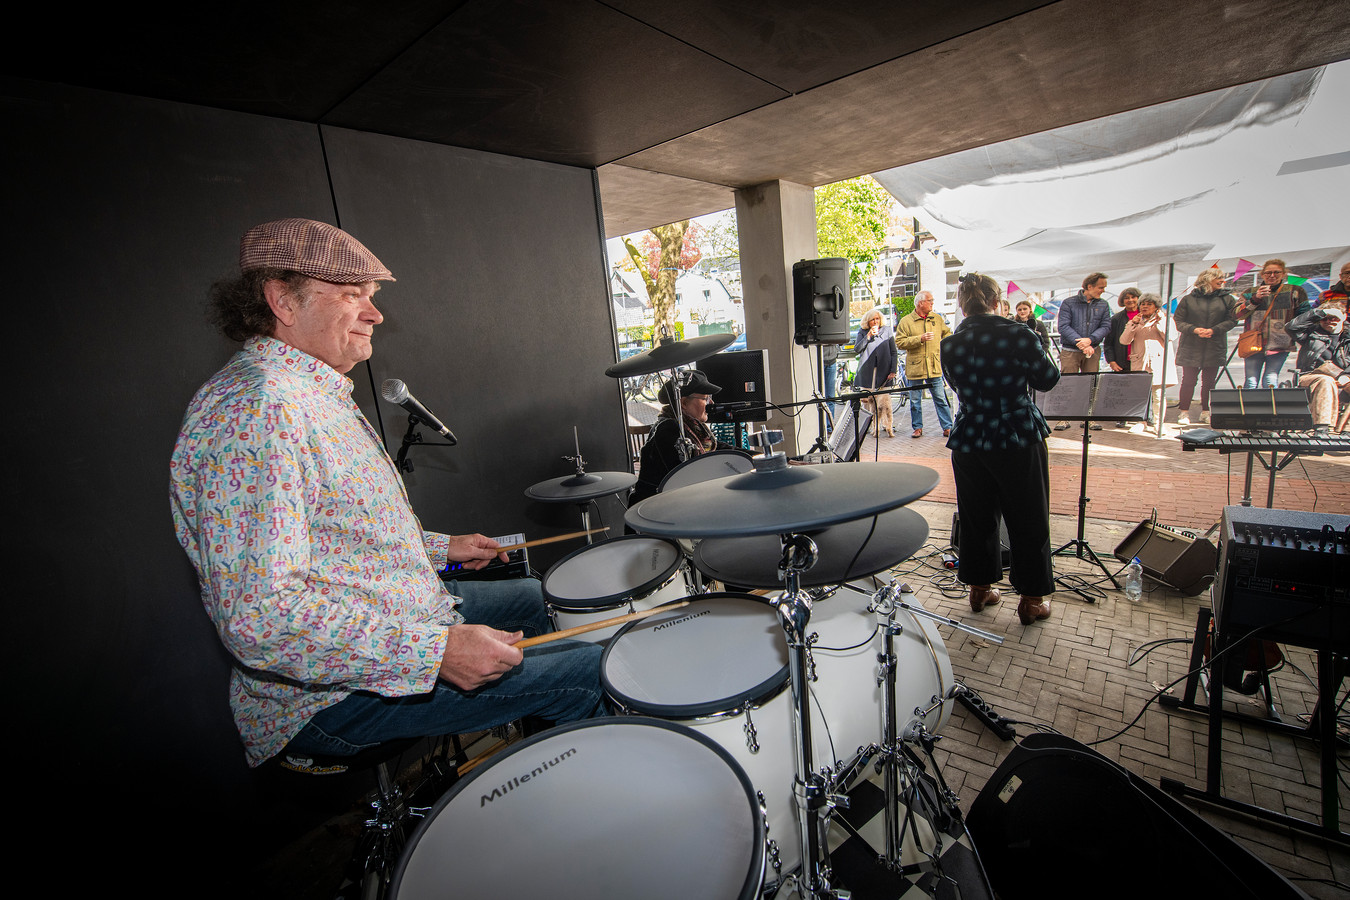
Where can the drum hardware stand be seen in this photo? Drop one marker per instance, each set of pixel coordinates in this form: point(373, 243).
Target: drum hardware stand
point(894, 758)
point(579, 479)
point(813, 791)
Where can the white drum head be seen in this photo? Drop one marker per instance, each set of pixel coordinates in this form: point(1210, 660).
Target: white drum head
point(706, 467)
point(710, 657)
point(610, 571)
point(605, 808)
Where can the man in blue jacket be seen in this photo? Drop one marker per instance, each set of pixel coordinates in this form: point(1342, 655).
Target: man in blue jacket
point(1084, 323)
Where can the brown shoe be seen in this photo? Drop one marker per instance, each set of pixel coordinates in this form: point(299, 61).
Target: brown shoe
point(1033, 609)
point(982, 596)
point(918, 432)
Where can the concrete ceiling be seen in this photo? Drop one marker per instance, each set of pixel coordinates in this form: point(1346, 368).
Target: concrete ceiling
point(679, 104)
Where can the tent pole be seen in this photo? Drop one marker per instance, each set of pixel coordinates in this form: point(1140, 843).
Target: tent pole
point(1165, 273)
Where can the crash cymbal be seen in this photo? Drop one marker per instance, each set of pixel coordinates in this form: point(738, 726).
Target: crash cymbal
point(849, 550)
point(670, 354)
point(781, 500)
point(580, 487)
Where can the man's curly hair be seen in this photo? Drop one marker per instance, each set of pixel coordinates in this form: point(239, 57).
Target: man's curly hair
point(239, 306)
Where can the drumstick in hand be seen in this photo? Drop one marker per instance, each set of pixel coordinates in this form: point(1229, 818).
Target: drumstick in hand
point(596, 626)
point(507, 548)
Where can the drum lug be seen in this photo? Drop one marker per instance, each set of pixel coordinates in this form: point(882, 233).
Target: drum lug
point(751, 733)
point(770, 845)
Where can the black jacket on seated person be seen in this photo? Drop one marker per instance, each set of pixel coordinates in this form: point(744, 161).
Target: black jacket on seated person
point(1316, 346)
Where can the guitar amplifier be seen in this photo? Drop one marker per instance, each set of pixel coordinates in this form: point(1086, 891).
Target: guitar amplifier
point(1181, 561)
point(1286, 572)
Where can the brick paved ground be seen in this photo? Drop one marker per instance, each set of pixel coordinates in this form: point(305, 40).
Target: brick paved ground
point(1073, 672)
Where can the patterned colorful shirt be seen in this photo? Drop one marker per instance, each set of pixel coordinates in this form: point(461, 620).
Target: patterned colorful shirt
point(315, 571)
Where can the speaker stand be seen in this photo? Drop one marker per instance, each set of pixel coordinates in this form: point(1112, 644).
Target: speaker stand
point(821, 445)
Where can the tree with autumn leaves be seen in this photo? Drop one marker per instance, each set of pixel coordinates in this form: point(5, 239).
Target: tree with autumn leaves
point(665, 252)
point(852, 221)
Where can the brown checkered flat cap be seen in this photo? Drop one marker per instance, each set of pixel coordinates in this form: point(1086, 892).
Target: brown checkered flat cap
point(311, 248)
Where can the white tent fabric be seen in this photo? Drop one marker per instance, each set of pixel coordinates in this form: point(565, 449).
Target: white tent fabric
point(1252, 172)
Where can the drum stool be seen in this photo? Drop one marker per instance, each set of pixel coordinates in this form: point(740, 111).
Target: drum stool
point(392, 818)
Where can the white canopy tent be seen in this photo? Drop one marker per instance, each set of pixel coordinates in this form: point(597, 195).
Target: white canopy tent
point(1256, 171)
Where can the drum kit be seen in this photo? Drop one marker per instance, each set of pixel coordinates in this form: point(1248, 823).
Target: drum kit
point(745, 718)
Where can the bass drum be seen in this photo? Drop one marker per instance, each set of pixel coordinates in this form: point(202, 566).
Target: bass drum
point(612, 578)
point(588, 811)
point(720, 666)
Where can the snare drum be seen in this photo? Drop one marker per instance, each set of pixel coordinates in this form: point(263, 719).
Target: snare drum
point(720, 665)
point(609, 807)
point(613, 578)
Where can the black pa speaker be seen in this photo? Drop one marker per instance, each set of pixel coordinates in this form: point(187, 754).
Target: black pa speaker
point(820, 298)
point(1003, 543)
point(1177, 560)
point(1059, 819)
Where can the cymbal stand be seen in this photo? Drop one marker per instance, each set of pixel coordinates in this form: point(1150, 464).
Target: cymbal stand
point(896, 761)
point(811, 789)
point(684, 445)
point(581, 478)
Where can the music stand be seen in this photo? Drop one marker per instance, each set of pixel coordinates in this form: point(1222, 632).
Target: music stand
point(846, 440)
point(1089, 397)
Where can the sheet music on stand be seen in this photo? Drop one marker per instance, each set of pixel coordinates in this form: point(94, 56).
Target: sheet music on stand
point(841, 439)
point(1089, 396)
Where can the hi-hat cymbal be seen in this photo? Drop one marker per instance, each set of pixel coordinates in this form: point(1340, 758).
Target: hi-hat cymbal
point(670, 354)
point(580, 488)
point(849, 550)
point(780, 501)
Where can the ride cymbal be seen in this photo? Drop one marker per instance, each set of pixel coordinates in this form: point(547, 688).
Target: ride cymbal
point(781, 500)
point(670, 354)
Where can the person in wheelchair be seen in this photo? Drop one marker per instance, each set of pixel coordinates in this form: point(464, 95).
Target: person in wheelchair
point(1323, 361)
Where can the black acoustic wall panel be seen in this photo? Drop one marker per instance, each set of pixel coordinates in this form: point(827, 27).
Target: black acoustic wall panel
point(499, 322)
point(119, 214)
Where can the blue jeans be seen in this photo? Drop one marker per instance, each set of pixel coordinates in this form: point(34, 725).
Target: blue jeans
point(1271, 362)
point(939, 395)
point(559, 681)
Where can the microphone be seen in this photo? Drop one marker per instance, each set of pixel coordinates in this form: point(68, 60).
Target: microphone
point(396, 391)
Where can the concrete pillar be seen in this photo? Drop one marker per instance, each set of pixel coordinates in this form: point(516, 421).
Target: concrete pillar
point(776, 224)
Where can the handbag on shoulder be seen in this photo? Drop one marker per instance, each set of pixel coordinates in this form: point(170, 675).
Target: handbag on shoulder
point(1250, 343)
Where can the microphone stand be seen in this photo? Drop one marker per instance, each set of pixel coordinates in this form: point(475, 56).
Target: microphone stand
point(853, 398)
point(413, 436)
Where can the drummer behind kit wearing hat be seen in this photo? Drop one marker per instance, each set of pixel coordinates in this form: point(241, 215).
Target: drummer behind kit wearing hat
point(661, 452)
point(313, 568)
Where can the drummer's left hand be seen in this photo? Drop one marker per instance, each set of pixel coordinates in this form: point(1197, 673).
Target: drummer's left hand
point(474, 550)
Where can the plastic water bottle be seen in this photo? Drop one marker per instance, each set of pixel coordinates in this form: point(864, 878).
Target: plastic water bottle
point(1134, 580)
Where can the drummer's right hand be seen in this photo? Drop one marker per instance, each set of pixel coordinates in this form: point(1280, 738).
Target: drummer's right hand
point(477, 654)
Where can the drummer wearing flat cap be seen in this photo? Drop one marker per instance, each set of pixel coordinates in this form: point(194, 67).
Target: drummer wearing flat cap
point(661, 452)
point(318, 577)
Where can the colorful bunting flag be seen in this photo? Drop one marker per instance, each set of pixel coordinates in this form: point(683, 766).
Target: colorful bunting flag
point(1013, 288)
point(1243, 267)
point(1295, 280)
